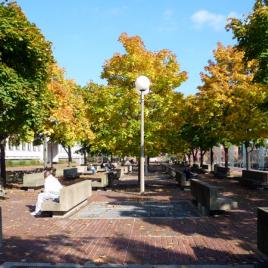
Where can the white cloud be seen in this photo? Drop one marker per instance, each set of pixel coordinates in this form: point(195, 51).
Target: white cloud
point(216, 21)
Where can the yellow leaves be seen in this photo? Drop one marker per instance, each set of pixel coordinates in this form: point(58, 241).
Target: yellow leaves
point(69, 118)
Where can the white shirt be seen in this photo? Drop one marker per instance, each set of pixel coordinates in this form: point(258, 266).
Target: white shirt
point(52, 185)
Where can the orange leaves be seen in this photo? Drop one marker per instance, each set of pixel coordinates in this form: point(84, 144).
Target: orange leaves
point(161, 67)
point(69, 118)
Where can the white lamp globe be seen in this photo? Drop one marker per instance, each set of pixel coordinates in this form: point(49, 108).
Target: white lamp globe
point(142, 83)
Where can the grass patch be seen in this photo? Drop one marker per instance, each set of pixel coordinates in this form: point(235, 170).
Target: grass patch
point(26, 162)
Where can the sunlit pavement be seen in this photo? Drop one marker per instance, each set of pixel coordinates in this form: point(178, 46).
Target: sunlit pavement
point(115, 238)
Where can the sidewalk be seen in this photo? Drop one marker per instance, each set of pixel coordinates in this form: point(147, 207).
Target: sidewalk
point(223, 239)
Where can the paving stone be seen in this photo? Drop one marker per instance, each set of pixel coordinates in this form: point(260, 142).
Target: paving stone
point(170, 234)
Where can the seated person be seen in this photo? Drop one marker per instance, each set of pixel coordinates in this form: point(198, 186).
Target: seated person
point(187, 172)
point(52, 189)
point(92, 169)
point(109, 166)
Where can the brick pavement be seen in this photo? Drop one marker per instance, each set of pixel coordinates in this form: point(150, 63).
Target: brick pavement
point(223, 239)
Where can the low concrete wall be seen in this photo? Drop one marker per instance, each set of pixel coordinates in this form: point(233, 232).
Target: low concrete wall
point(33, 180)
point(221, 172)
point(262, 230)
point(70, 173)
point(208, 196)
point(98, 180)
point(254, 178)
point(70, 197)
point(181, 179)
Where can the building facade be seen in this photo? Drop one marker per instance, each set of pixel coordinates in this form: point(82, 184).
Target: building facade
point(28, 151)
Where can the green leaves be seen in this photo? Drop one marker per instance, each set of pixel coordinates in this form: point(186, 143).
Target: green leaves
point(252, 37)
point(24, 59)
point(116, 108)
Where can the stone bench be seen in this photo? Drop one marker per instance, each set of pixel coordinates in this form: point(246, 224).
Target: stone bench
point(206, 167)
point(262, 230)
point(98, 180)
point(254, 178)
point(33, 180)
point(181, 179)
point(26, 180)
point(71, 197)
point(221, 172)
point(70, 173)
point(208, 197)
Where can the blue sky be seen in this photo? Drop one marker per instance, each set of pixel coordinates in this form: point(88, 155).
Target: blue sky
point(84, 33)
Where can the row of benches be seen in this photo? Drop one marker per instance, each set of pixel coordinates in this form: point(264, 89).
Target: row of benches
point(209, 198)
point(35, 179)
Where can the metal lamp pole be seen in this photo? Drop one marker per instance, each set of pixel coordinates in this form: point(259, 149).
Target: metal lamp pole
point(142, 85)
point(142, 187)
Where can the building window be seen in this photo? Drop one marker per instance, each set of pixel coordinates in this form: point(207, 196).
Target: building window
point(34, 148)
point(23, 146)
point(29, 146)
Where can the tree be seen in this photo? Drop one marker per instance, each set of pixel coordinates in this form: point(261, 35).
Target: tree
point(25, 57)
point(69, 121)
point(116, 107)
point(198, 131)
point(252, 37)
point(234, 98)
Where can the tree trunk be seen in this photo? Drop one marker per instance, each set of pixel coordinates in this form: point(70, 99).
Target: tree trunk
point(3, 162)
point(146, 165)
point(45, 151)
point(194, 153)
point(247, 154)
point(85, 157)
point(226, 157)
point(69, 156)
point(202, 153)
point(211, 158)
point(189, 159)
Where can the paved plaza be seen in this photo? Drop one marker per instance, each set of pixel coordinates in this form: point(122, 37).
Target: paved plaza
point(141, 209)
point(120, 226)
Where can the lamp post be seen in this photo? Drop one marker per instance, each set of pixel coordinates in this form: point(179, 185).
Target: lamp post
point(142, 85)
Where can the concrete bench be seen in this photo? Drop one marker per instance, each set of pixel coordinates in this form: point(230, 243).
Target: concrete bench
point(208, 197)
point(262, 230)
point(33, 180)
point(70, 173)
point(83, 170)
point(71, 197)
point(181, 179)
point(221, 172)
point(98, 180)
point(25, 180)
point(254, 178)
point(206, 167)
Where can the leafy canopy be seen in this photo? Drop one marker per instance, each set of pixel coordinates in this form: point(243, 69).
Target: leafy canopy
point(25, 57)
point(116, 107)
point(252, 36)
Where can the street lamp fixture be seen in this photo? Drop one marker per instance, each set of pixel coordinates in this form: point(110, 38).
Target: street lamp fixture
point(142, 85)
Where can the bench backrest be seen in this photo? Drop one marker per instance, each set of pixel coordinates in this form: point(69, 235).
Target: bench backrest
point(70, 173)
point(255, 175)
point(33, 180)
point(74, 194)
point(205, 193)
point(81, 169)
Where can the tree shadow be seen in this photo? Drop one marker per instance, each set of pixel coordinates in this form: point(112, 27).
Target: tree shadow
point(119, 250)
